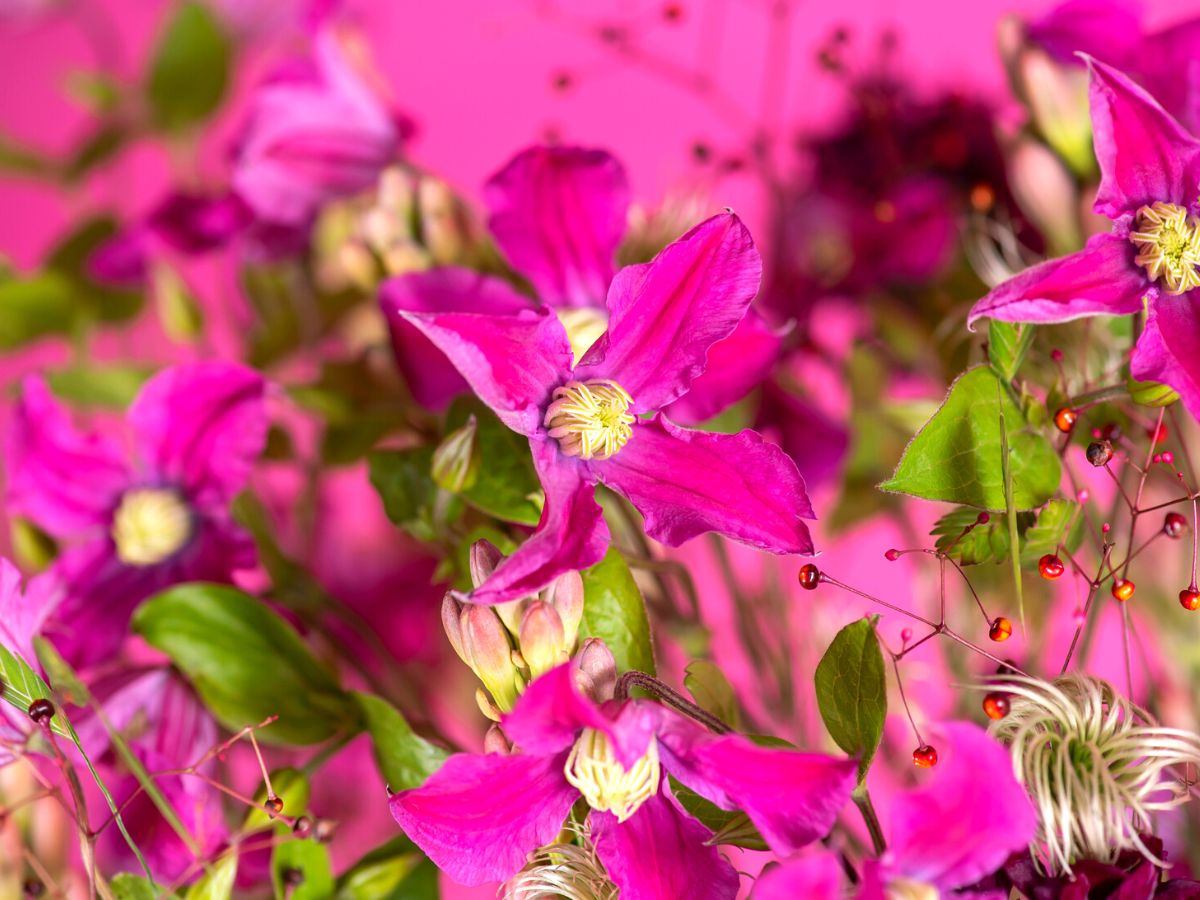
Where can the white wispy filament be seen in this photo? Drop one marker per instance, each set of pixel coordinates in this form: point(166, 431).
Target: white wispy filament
point(566, 871)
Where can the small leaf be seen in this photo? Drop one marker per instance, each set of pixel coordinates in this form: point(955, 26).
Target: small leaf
point(405, 759)
point(22, 685)
point(711, 690)
point(957, 457)
point(1008, 343)
point(404, 481)
point(505, 485)
point(852, 691)
point(189, 68)
point(246, 663)
point(292, 787)
point(301, 870)
point(395, 871)
point(218, 884)
point(731, 827)
point(35, 307)
point(1057, 524)
point(134, 887)
point(107, 387)
point(983, 543)
point(614, 611)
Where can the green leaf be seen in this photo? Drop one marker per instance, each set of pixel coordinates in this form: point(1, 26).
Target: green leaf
point(1057, 524)
point(189, 68)
point(35, 307)
point(217, 884)
point(404, 481)
point(614, 611)
point(291, 786)
point(711, 690)
point(246, 663)
point(730, 827)
point(956, 457)
point(107, 387)
point(1008, 343)
point(395, 871)
point(309, 870)
point(506, 485)
point(983, 543)
point(71, 256)
point(405, 759)
point(852, 691)
point(22, 685)
point(134, 887)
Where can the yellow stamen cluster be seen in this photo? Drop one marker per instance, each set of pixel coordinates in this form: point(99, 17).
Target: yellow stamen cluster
point(905, 889)
point(590, 419)
point(1168, 244)
point(606, 785)
point(150, 525)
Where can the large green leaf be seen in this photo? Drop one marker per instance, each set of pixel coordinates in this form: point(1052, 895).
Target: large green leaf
point(1008, 343)
point(404, 481)
point(404, 757)
point(35, 307)
point(957, 456)
point(302, 870)
point(852, 691)
point(395, 871)
point(189, 68)
point(711, 690)
point(217, 884)
point(505, 485)
point(614, 611)
point(246, 663)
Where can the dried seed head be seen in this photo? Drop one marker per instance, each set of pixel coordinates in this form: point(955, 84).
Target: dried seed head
point(564, 871)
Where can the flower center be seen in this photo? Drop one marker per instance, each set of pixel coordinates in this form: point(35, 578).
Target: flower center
point(606, 785)
point(150, 524)
point(905, 889)
point(1168, 244)
point(590, 419)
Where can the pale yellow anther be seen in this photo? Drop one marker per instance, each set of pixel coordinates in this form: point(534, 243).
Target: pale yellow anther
point(1168, 244)
point(590, 419)
point(150, 525)
point(605, 784)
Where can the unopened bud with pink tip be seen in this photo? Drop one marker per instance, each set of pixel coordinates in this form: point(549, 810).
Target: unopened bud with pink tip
point(482, 642)
point(595, 670)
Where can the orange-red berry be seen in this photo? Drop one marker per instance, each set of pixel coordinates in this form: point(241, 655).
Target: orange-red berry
point(1065, 419)
point(891, 555)
point(925, 756)
point(1189, 599)
point(996, 705)
point(810, 577)
point(1123, 589)
point(1001, 629)
point(1174, 525)
point(1158, 435)
point(1051, 567)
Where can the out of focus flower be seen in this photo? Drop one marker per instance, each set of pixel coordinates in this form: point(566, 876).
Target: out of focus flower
point(480, 816)
point(136, 524)
point(583, 421)
point(318, 130)
point(1149, 182)
point(957, 827)
point(23, 610)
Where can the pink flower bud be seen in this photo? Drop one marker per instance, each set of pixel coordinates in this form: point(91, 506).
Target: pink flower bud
point(595, 670)
point(489, 654)
point(542, 639)
point(485, 556)
point(565, 594)
point(495, 741)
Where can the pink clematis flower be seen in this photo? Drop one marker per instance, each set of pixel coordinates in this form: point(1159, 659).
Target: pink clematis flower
point(584, 420)
point(137, 524)
point(1149, 187)
point(23, 610)
point(480, 815)
point(953, 830)
point(558, 215)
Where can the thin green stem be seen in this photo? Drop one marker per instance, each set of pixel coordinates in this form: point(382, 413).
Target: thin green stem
point(862, 799)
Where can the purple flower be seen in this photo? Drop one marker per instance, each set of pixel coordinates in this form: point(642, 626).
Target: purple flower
point(558, 215)
point(481, 815)
point(1149, 187)
point(317, 131)
point(585, 421)
point(136, 523)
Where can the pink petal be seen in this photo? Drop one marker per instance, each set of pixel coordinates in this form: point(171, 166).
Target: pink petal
point(815, 877)
point(23, 609)
point(665, 314)
point(479, 816)
point(512, 361)
point(689, 482)
point(432, 378)
point(661, 854)
point(1168, 350)
point(201, 427)
point(558, 214)
point(1169, 67)
point(1145, 155)
point(1101, 279)
point(966, 817)
point(815, 441)
point(793, 798)
point(64, 480)
point(570, 535)
point(1108, 29)
point(736, 366)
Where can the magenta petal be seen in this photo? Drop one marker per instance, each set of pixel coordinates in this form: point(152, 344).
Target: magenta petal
point(816, 877)
point(432, 378)
point(736, 366)
point(202, 426)
point(793, 798)
point(1108, 29)
point(571, 534)
point(558, 214)
point(479, 816)
point(1145, 155)
point(661, 854)
point(665, 314)
point(64, 480)
point(1169, 67)
point(23, 609)
point(1101, 279)
point(1168, 350)
point(968, 815)
point(689, 482)
point(513, 361)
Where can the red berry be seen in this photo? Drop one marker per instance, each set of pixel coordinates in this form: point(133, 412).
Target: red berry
point(810, 577)
point(273, 806)
point(906, 635)
point(892, 555)
point(1051, 567)
point(1168, 457)
point(1158, 435)
point(41, 711)
point(1189, 599)
point(1174, 525)
point(1001, 629)
point(1123, 589)
point(996, 705)
point(1065, 419)
point(925, 756)
point(1056, 355)
point(982, 519)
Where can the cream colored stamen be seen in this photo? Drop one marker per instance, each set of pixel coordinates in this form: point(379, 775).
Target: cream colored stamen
point(606, 785)
point(583, 325)
point(1168, 243)
point(590, 419)
point(905, 889)
point(150, 525)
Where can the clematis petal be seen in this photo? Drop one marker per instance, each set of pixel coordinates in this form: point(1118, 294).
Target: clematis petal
point(512, 361)
point(1101, 279)
point(664, 315)
point(558, 214)
point(1169, 67)
point(570, 535)
point(1168, 350)
point(816, 877)
point(1109, 29)
point(661, 854)
point(432, 378)
point(792, 797)
point(480, 815)
point(1145, 155)
point(965, 819)
point(201, 427)
point(64, 480)
point(24, 608)
point(688, 482)
point(736, 366)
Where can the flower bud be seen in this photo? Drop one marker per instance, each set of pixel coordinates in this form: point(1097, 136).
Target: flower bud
point(595, 670)
point(1046, 192)
point(451, 609)
point(1150, 393)
point(455, 461)
point(177, 308)
point(1058, 105)
point(445, 228)
point(565, 594)
point(495, 741)
point(489, 654)
point(542, 641)
point(485, 556)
